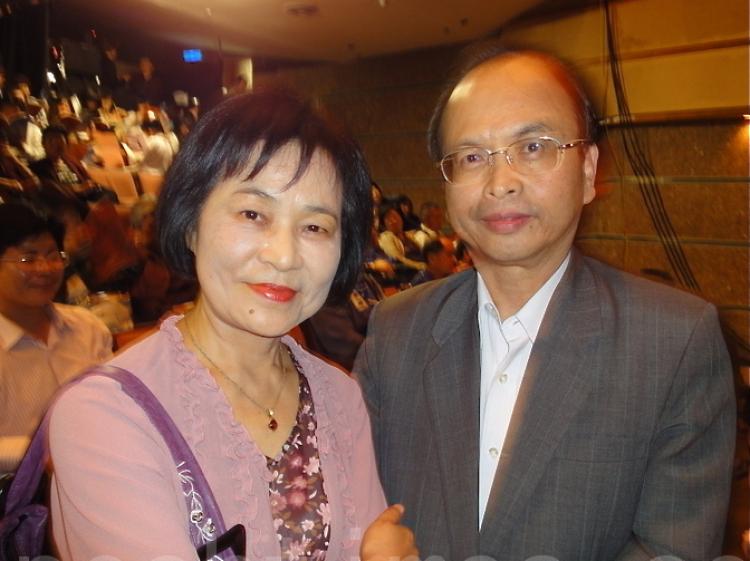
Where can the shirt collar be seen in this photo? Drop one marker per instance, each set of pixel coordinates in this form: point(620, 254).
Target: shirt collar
point(531, 314)
point(11, 333)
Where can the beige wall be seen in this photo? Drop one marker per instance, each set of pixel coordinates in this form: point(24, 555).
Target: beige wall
point(685, 64)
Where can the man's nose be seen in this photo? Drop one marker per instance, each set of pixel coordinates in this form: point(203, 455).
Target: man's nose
point(502, 179)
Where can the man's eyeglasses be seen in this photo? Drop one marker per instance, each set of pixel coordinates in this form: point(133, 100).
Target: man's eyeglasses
point(32, 261)
point(530, 156)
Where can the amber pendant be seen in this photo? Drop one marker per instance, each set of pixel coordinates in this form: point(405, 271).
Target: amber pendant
point(272, 423)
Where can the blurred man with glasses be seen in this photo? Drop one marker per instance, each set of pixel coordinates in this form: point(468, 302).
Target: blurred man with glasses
point(544, 404)
point(42, 344)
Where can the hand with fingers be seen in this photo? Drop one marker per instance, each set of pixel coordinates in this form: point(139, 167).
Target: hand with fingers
point(387, 539)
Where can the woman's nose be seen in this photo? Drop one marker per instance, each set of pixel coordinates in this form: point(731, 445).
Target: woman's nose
point(281, 249)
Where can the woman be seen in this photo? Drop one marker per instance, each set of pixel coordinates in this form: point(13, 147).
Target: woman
point(397, 246)
point(256, 206)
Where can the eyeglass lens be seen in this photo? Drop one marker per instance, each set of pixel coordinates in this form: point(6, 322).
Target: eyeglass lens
point(527, 156)
point(54, 259)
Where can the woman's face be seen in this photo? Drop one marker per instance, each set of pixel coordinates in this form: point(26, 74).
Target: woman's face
point(393, 222)
point(266, 253)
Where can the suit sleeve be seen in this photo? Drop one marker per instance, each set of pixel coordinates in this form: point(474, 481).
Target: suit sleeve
point(364, 372)
point(685, 494)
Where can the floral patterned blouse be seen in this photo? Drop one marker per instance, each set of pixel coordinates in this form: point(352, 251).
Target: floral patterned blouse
point(299, 504)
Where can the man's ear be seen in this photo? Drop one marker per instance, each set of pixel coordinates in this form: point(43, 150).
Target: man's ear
point(590, 160)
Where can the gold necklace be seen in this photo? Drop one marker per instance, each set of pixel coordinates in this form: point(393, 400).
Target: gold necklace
point(273, 424)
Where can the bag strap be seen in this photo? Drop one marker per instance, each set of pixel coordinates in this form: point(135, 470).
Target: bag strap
point(206, 521)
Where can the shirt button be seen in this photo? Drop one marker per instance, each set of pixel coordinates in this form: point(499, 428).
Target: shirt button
point(502, 378)
point(494, 452)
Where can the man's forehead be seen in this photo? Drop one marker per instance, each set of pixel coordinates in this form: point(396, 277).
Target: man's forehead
point(517, 81)
point(514, 68)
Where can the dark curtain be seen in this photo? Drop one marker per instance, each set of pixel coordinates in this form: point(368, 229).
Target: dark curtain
point(23, 41)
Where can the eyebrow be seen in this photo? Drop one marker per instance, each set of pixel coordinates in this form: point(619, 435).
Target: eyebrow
point(524, 130)
point(313, 209)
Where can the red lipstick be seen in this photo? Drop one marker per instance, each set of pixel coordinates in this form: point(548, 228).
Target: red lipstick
point(274, 292)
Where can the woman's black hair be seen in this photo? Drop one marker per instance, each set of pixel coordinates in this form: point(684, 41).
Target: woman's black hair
point(220, 146)
point(20, 221)
point(385, 208)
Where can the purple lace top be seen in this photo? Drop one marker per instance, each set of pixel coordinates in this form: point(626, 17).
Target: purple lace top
point(118, 515)
point(299, 505)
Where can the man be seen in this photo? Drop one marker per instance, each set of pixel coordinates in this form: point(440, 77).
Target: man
point(58, 166)
point(146, 84)
point(27, 136)
point(158, 153)
point(42, 344)
point(431, 224)
point(441, 262)
point(544, 404)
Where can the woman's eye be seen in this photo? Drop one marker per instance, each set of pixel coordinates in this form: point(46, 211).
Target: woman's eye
point(315, 229)
point(250, 214)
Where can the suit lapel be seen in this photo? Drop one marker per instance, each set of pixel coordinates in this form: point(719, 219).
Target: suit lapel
point(451, 382)
point(555, 385)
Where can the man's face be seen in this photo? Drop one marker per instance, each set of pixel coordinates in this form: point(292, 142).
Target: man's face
point(442, 263)
point(509, 219)
point(433, 218)
point(30, 285)
point(54, 146)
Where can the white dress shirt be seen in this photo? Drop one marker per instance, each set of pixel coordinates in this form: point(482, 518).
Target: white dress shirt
point(505, 350)
point(31, 371)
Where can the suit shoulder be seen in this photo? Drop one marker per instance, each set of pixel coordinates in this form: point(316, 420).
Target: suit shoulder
point(428, 297)
point(636, 292)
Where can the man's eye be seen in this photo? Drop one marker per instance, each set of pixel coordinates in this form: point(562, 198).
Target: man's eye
point(532, 149)
point(472, 158)
point(250, 214)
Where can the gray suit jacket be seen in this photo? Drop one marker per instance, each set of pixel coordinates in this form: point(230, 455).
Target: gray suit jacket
point(620, 444)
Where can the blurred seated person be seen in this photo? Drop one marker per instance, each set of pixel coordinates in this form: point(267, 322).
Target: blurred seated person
point(114, 262)
point(71, 212)
point(61, 113)
point(159, 151)
point(136, 141)
point(26, 135)
point(14, 173)
point(61, 167)
point(41, 344)
point(397, 246)
point(58, 165)
point(35, 107)
point(157, 289)
point(337, 330)
point(110, 114)
point(411, 220)
point(440, 259)
point(430, 226)
point(80, 146)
